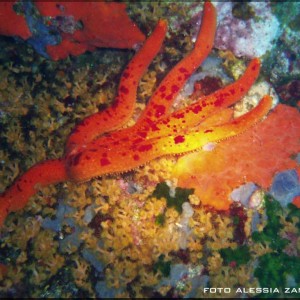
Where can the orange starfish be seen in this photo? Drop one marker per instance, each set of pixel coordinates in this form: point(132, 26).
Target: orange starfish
point(157, 132)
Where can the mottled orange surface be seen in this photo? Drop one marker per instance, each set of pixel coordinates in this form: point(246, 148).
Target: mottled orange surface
point(254, 156)
point(105, 24)
point(12, 23)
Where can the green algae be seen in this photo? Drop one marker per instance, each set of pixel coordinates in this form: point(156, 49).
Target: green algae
point(270, 233)
point(242, 10)
point(273, 269)
point(160, 219)
point(294, 211)
point(286, 12)
point(239, 256)
point(163, 266)
point(162, 190)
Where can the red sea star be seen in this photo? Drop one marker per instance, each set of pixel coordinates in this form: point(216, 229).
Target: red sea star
point(156, 133)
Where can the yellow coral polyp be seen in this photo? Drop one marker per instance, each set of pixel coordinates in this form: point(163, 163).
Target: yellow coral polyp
point(44, 245)
point(154, 206)
point(215, 262)
point(54, 263)
point(157, 170)
point(91, 241)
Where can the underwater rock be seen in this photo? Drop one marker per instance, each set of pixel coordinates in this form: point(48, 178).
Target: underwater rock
point(283, 65)
point(285, 187)
point(91, 257)
point(182, 275)
point(290, 93)
point(250, 37)
point(211, 67)
point(256, 220)
point(57, 223)
point(89, 213)
point(42, 34)
point(243, 193)
point(62, 219)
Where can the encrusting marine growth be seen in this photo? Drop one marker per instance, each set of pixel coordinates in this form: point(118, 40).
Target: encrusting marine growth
point(96, 146)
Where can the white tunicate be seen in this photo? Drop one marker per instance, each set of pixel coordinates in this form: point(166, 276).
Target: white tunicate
point(256, 199)
point(183, 225)
point(187, 210)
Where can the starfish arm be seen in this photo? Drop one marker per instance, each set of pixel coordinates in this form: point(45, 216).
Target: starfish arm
point(223, 116)
point(18, 194)
point(190, 116)
point(146, 126)
point(99, 161)
point(200, 110)
point(121, 110)
point(190, 140)
point(170, 86)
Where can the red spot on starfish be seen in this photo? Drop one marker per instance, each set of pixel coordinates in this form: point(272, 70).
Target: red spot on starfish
point(126, 74)
point(104, 161)
point(160, 110)
point(179, 139)
point(144, 148)
point(123, 89)
point(196, 109)
point(179, 115)
point(162, 88)
point(174, 89)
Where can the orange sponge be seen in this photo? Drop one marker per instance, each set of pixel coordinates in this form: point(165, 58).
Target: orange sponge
point(254, 156)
